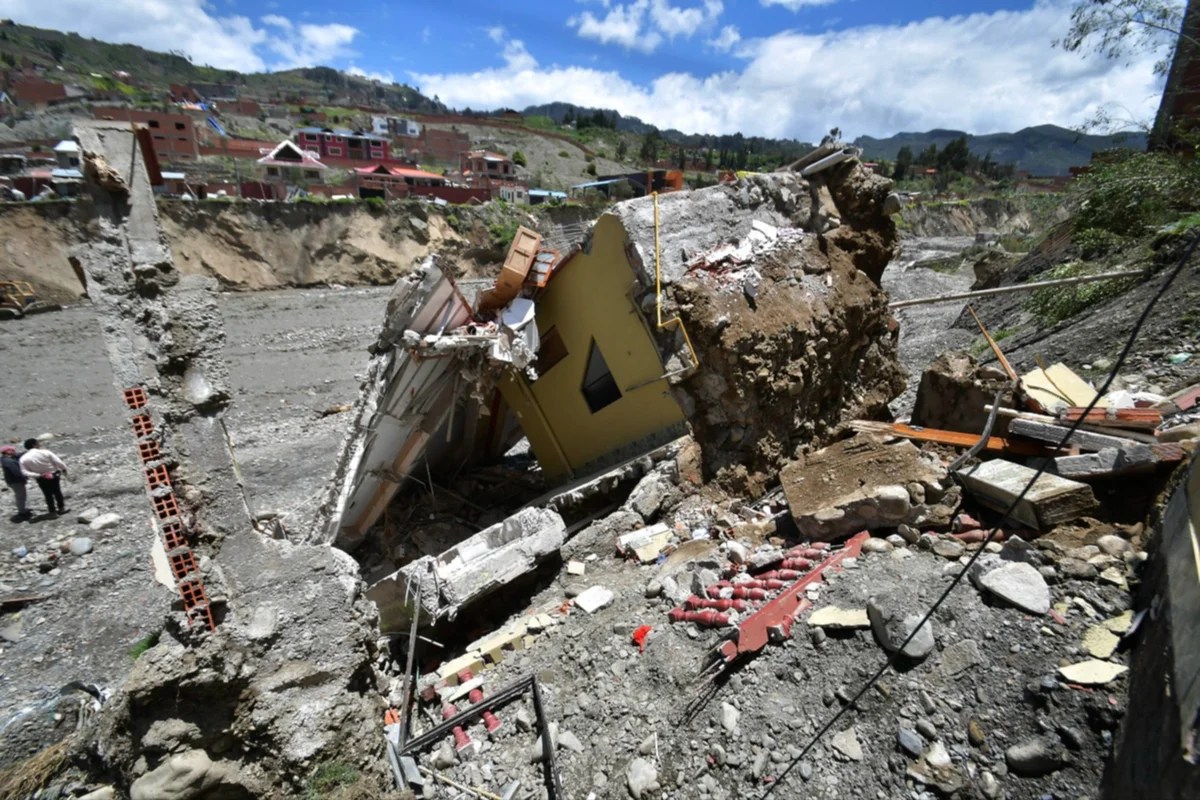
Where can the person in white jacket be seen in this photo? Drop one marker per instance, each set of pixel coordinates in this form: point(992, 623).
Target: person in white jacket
point(48, 469)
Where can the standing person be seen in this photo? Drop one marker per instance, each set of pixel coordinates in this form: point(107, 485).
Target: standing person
point(15, 478)
point(47, 468)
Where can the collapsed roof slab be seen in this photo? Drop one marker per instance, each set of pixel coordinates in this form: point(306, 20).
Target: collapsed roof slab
point(440, 586)
point(406, 401)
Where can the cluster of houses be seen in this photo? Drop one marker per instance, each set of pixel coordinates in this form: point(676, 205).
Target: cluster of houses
point(199, 157)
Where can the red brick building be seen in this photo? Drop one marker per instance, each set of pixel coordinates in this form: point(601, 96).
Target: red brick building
point(342, 143)
point(30, 90)
point(174, 135)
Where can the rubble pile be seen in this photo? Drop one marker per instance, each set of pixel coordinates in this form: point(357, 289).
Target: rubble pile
point(775, 280)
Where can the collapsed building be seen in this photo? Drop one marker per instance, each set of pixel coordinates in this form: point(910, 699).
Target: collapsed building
point(748, 313)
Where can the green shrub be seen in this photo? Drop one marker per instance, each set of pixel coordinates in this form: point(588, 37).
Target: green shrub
point(502, 234)
point(144, 644)
point(1097, 242)
point(327, 778)
point(519, 159)
point(1125, 193)
point(1054, 304)
point(563, 154)
point(591, 170)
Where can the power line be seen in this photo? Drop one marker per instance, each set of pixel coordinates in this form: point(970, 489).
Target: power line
point(895, 656)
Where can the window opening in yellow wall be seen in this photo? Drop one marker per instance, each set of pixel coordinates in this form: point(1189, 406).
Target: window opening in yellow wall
point(599, 387)
point(551, 350)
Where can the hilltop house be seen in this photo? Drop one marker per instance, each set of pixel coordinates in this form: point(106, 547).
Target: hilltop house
point(482, 167)
point(343, 143)
point(288, 163)
point(387, 182)
point(174, 135)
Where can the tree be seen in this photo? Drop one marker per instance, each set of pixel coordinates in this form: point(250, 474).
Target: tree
point(56, 49)
point(929, 156)
point(904, 160)
point(649, 150)
point(519, 159)
point(1119, 28)
point(622, 149)
point(955, 156)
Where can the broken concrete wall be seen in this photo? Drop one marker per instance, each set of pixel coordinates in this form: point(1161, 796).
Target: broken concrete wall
point(286, 680)
point(439, 587)
point(774, 279)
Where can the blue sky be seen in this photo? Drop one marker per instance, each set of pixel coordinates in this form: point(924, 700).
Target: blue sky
point(766, 67)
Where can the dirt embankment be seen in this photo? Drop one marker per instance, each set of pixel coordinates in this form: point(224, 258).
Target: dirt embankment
point(254, 246)
point(969, 217)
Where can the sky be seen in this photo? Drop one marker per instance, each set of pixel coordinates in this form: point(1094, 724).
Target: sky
point(778, 68)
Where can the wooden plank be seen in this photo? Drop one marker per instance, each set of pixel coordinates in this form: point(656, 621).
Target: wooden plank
point(1136, 418)
point(995, 444)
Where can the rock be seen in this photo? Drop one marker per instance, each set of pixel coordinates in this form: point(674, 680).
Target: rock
point(86, 516)
point(642, 778)
point(937, 757)
point(989, 786)
point(647, 496)
point(103, 793)
point(654, 589)
point(927, 729)
point(892, 622)
point(960, 657)
point(975, 733)
point(104, 522)
point(180, 777)
point(908, 533)
point(910, 742)
point(949, 548)
point(79, 546)
point(570, 741)
point(1092, 672)
point(648, 745)
point(593, 599)
point(444, 758)
point(876, 546)
point(846, 743)
point(729, 717)
point(840, 618)
point(1034, 758)
point(1100, 642)
point(1018, 584)
point(1113, 545)
point(1079, 570)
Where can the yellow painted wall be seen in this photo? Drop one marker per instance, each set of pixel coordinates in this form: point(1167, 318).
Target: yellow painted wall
point(590, 298)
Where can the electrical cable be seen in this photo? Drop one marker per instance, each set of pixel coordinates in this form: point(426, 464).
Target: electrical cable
point(957, 579)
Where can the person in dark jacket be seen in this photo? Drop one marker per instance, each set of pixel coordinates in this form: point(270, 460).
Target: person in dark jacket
point(15, 479)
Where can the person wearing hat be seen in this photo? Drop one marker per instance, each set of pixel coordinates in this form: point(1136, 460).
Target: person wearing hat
point(47, 469)
point(15, 478)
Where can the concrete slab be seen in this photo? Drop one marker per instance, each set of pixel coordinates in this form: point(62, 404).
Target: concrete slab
point(1050, 501)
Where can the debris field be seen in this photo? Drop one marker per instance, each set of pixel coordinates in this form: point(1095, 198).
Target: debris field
point(631, 520)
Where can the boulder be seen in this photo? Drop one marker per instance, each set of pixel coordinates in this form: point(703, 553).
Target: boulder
point(104, 522)
point(893, 618)
point(1016, 583)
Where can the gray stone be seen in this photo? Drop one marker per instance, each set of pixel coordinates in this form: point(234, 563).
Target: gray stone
point(104, 522)
point(729, 717)
point(937, 757)
point(648, 745)
point(1034, 757)
point(960, 657)
point(103, 793)
point(949, 548)
point(1113, 545)
point(86, 516)
point(910, 742)
point(642, 778)
point(892, 621)
point(80, 546)
point(1018, 584)
point(647, 496)
point(570, 741)
point(445, 757)
point(180, 777)
point(846, 743)
point(654, 588)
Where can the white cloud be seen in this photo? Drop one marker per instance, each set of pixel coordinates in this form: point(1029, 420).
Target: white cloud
point(496, 33)
point(192, 27)
point(726, 39)
point(796, 5)
point(980, 73)
point(643, 24)
point(385, 77)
